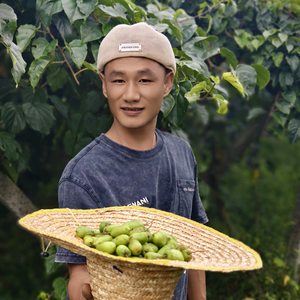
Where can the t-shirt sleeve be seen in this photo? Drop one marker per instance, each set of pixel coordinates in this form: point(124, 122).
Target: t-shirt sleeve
point(73, 195)
point(198, 211)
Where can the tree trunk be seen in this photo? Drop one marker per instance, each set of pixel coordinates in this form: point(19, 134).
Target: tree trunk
point(294, 240)
point(13, 198)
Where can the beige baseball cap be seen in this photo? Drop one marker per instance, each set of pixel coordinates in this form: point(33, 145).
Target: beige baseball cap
point(137, 40)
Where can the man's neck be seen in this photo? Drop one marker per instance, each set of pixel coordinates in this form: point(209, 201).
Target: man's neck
point(138, 139)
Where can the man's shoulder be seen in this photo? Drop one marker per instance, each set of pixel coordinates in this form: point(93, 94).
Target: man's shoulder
point(174, 140)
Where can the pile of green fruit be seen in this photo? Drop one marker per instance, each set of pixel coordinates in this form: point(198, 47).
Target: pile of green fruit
point(133, 239)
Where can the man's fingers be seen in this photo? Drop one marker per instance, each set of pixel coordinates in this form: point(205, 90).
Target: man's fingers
point(86, 292)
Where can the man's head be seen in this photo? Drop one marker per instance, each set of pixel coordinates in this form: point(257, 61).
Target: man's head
point(138, 40)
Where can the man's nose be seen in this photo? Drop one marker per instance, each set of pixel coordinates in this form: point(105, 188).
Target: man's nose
point(131, 92)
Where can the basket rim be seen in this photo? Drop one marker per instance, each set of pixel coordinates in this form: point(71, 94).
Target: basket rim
point(167, 263)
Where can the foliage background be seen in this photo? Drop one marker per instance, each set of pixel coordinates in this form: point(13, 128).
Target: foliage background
point(247, 149)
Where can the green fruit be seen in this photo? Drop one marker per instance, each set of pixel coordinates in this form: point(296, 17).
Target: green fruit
point(134, 224)
point(150, 237)
point(159, 239)
point(118, 230)
point(173, 237)
point(103, 224)
point(152, 255)
point(142, 237)
point(122, 239)
point(104, 238)
point(81, 231)
point(88, 240)
point(174, 254)
point(109, 228)
point(138, 229)
point(162, 251)
point(149, 247)
point(123, 251)
point(108, 247)
point(187, 254)
point(135, 247)
point(181, 247)
point(172, 242)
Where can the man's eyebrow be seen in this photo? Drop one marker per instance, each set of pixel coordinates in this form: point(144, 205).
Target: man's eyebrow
point(146, 71)
point(114, 73)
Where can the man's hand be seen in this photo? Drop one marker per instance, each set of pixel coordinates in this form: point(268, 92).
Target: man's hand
point(196, 289)
point(79, 285)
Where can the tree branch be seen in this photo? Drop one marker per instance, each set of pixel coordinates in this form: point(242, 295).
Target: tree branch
point(13, 198)
point(61, 51)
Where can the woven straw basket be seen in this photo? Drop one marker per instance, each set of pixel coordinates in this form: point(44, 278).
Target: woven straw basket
point(119, 278)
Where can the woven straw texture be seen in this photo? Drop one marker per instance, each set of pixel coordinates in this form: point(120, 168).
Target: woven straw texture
point(115, 277)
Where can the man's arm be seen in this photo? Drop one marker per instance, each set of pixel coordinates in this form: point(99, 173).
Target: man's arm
point(196, 288)
point(79, 284)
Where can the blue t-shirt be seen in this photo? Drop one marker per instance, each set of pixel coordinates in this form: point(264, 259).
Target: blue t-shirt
point(106, 174)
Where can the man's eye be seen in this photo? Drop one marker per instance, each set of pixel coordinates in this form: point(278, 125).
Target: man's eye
point(118, 81)
point(145, 80)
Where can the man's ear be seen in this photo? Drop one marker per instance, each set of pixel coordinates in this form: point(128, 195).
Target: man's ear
point(168, 83)
point(102, 77)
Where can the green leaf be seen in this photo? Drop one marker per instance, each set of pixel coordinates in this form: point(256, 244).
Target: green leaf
point(283, 37)
point(13, 117)
point(77, 51)
point(62, 108)
point(39, 116)
point(9, 145)
point(90, 31)
point(37, 68)
point(180, 133)
point(48, 9)
point(284, 107)
point(61, 288)
point(96, 125)
point(128, 7)
point(293, 61)
point(40, 44)
point(7, 13)
point(86, 6)
point(222, 104)
point(175, 30)
point(247, 76)
point(290, 96)
point(280, 117)
point(7, 86)
point(277, 58)
point(117, 11)
point(176, 3)
point(210, 53)
point(241, 40)
point(57, 79)
point(234, 81)
point(18, 62)
point(167, 105)
point(25, 34)
point(194, 94)
point(9, 169)
point(72, 10)
point(276, 42)
point(7, 31)
point(50, 264)
point(23, 160)
point(201, 112)
point(286, 79)
point(255, 112)
point(279, 262)
point(230, 57)
point(263, 75)
point(94, 101)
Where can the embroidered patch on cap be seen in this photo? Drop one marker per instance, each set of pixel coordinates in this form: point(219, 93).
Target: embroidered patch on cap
point(130, 47)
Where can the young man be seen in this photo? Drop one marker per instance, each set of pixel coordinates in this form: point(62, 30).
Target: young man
point(133, 163)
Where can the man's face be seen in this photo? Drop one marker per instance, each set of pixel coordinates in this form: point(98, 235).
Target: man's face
point(135, 88)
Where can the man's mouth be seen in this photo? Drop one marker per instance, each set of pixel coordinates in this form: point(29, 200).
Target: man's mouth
point(132, 109)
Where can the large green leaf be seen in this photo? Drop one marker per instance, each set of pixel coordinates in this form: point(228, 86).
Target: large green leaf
point(48, 9)
point(7, 86)
point(39, 116)
point(293, 61)
point(286, 79)
point(96, 125)
point(194, 94)
point(230, 57)
point(247, 76)
point(284, 107)
point(78, 52)
point(38, 47)
point(25, 34)
point(263, 75)
point(167, 105)
point(57, 79)
point(234, 81)
point(294, 130)
point(90, 31)
point(7, 13)
point(59, 105)
point(18, 62)
point(61, 288)
point(37, 68)
point(72, 10)
point(7, 31)
point(174, 29)
point(290, 96)
point(9, 145)
point(13, 117)
point(86, 6)
point(117, 11)
point(280, 117)
point(277, 58)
